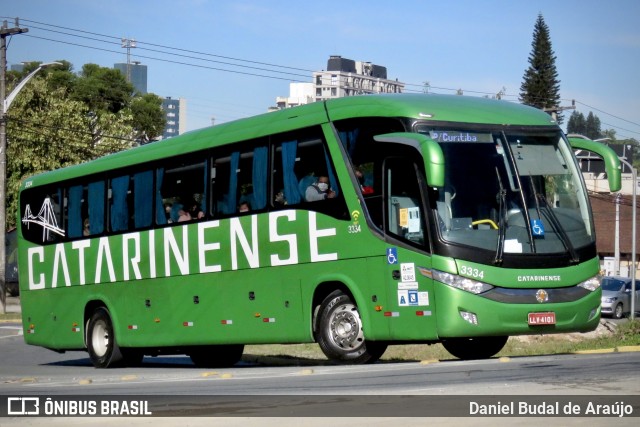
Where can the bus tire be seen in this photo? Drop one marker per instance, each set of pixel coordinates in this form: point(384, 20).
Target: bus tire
point(101, 340)
point(474, 348)
point(340, 334)
point(216, 356)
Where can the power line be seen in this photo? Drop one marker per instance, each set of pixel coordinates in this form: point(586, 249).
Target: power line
point(172, 61)
point(172, 51)
point(33, 129)
point(609, 114)
point(162, 46)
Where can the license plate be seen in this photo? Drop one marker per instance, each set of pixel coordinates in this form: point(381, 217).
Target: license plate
point(548, 318)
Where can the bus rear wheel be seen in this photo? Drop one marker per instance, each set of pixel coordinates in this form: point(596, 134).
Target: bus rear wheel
point(101, 341)
point(474, 348)
point(340, 334)
point(216, 356)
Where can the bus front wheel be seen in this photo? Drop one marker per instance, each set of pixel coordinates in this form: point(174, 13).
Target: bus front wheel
point(101, 341)
point(474, 348)
point(340, 334)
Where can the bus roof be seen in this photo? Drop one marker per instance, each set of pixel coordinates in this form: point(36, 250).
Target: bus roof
point(440, 108)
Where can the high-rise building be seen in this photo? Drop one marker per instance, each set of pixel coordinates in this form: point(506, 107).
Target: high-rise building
point(176, 115)
point(343, 77)
point(136, 73)
point(346, 77)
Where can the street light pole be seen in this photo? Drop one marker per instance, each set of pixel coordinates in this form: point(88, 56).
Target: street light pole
point(5, 103)
point(5, 32)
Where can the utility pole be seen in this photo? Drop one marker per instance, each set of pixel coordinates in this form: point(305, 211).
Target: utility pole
point(555, 110)
point(5, 32)
point(616, 244)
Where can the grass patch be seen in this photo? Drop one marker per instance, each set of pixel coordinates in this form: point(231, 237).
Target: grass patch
point(624, 334)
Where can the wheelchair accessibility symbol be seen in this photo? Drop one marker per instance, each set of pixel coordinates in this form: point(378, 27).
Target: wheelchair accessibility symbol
point(392, 255)
point(537, 228)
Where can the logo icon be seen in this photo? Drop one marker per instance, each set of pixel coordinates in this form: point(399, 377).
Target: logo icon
point(355, 215)
point(23, 406)
point(542, 296)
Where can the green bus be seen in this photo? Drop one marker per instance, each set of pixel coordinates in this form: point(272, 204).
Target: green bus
point(447, 219)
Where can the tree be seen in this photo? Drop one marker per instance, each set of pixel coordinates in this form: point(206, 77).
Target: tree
point(540, 86)
point(610, 134)
point(592, 125)
point(589, 127)
point(50, 126)
point(576, 123)
point(60, 119)
point(103, 89)
point(148, 117)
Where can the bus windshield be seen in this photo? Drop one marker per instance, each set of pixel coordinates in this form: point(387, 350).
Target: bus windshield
point(511, 191)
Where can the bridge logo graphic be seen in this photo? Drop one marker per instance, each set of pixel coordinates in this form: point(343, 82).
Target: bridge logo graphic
point(46, 218)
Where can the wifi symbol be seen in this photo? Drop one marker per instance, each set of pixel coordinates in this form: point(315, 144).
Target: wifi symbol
point(355, 215)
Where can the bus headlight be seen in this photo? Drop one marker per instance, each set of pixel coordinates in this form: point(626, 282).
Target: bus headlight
point(460, 282)
point(591, 284)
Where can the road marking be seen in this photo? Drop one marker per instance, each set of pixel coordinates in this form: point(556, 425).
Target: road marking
point(12, 328)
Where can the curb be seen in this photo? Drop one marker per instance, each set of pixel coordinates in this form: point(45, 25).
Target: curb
point(623, 349)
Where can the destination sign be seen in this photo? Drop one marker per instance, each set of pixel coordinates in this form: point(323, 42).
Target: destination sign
point(460, 136)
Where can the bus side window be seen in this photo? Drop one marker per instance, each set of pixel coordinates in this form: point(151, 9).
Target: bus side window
point(405, 213)
point(119, 204)
point(95, 207)
point(298, 165)
point(252, 180)
point(75, 217)
point(239, 179)
point(180, 190)
point(143, 199)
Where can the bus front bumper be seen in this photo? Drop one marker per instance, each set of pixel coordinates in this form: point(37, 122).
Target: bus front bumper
point(463, 314)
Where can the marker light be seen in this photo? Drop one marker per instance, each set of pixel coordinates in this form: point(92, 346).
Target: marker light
point(460, 282)
point(469, 317)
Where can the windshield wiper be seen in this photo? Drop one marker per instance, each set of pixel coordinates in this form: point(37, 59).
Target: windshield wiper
point(555, 222)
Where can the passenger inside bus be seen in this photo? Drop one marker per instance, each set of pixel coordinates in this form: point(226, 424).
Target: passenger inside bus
point(319, 190)
point(244, 207)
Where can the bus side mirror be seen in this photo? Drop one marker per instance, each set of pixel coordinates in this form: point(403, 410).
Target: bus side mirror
point(430, 150)
point(611, 160)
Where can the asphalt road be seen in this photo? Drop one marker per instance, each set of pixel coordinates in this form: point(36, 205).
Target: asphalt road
point(27, 370)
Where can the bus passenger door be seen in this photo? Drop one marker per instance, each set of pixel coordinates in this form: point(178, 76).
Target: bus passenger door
point(411, 313)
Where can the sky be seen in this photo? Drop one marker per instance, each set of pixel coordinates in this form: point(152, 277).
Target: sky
point(231, 59)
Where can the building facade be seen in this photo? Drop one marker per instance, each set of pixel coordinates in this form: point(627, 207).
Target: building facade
point(136, 73)
point(176, 115)
point(346, 77)
point(343, 77)
point(299, 94)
